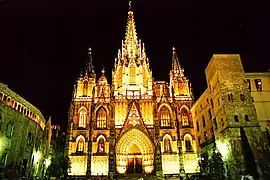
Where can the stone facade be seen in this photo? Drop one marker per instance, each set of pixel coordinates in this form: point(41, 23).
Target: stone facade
point(24, 136)
point(259, 86)
point(224, 108)
point(135, 124)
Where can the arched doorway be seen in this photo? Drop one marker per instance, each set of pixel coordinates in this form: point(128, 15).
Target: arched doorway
point(134, 153)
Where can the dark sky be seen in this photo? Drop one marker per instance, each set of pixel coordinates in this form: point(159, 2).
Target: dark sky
point(44, 44)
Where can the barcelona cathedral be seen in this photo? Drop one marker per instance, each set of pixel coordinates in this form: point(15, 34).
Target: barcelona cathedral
point(138, 125)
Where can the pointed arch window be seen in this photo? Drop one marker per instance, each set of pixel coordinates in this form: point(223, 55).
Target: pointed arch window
point(85, 88)
point(80, 145)
point(82, 118)
point(167, 144)
point(101, 118)
point(101, 146)
point(184, 117)
point(165, 117)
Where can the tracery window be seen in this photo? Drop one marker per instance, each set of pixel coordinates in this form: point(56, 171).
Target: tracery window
point(101, 145)
point(82, 118)
point(101, 118)
point(184, 117)
point(85, 88)
point(165, 117)
point(167, 145)
point(132, 75)
point(80, 145)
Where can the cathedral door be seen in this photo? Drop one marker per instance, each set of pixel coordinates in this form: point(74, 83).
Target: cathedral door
point(130, 168)
point(134, 165)
point(138, 165)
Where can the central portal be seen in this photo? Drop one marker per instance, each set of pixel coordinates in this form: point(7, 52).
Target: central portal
point(134, 160)
point(134, 153)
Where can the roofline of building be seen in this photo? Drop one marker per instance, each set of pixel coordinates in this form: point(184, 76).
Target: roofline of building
point(5, 89)
point(257, 73)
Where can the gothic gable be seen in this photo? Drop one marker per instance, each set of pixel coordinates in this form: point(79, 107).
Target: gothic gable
point(134, 119)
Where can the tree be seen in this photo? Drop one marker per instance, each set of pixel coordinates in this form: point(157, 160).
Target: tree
point(59, 166)
point(216, 166)
point(249, 160)
point(268, 136)
point(203, 163)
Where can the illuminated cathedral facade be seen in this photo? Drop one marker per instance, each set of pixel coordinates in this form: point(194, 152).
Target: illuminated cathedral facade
point(135, 124)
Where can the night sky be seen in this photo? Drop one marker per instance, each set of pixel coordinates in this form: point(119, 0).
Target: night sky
point(43, 44)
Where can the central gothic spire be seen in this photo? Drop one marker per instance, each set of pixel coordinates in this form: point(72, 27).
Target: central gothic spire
point(131, 43)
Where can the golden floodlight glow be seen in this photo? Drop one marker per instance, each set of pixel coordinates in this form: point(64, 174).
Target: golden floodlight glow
point(223, 148)
point(47, 162)
point(37, 156)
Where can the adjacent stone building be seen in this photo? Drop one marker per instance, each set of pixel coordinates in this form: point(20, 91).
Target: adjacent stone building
point(227, 110)
point(259, 86)
point(24, 136)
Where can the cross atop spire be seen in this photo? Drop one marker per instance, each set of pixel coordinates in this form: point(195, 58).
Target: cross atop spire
point(130, 5)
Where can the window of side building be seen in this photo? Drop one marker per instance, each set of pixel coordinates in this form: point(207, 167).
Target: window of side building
point(249, 85)
point(9, 130)
point(203, 122)
point(198, 127)
point(209, 114)
point(258, 84)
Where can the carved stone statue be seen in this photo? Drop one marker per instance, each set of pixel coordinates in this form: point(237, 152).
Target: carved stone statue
point(101, 145)
point(167, 145)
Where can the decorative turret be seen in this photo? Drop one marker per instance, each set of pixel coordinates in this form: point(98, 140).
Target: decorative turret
point(102, 89)
point(86, 81)
point(176, 68)
point(179, 84)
